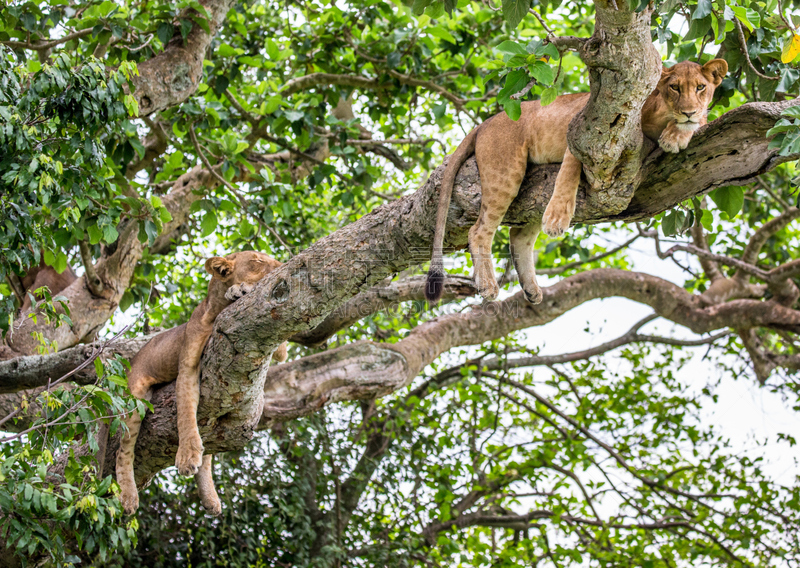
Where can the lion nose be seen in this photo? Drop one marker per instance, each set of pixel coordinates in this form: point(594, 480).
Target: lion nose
point(689, 114)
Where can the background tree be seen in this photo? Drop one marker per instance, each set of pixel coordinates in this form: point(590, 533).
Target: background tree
point(139, 138)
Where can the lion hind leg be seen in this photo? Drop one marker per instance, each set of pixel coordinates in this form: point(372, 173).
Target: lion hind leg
point(141, 387)
point(499, 187)
point(522, 244)
point(558, 214)
point(205, 486)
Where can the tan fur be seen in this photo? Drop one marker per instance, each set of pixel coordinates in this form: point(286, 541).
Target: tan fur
point(175, 354)
point(503, 148)
point(43, 275)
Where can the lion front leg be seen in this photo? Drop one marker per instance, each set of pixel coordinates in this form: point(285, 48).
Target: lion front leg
point(561, 207)
point(190, 445)
point(205, 486)
point(675, 138)
point(140, 387)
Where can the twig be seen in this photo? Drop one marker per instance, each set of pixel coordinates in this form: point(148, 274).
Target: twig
point(577, 263)
point(743, 42)
point(233, 190)
point(46, 44)
point(93, 281)
point(562, 43)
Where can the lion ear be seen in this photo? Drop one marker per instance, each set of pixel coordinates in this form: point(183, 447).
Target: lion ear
point(219, 266)
point(715, 70)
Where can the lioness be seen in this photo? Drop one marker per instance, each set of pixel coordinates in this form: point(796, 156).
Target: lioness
point(175, 354)
point(503, 148)
point(43, 275)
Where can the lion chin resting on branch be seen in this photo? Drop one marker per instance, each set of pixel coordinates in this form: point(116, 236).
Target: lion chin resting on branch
point(175, 354)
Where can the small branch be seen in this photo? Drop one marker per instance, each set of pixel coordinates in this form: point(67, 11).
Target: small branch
point(93, 281)
point(233, 190)
point(313, 79)
point(578, 263)
point(16, 287)
point(726, 260)
point(760, 237)
point(562, 43)
point(743, 43)
point(262, 133)
point(699, 238)
point(39, 45)
point(525, 90)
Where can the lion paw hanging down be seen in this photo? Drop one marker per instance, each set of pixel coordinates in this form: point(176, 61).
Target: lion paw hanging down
point(503, 148)
point(175, 355)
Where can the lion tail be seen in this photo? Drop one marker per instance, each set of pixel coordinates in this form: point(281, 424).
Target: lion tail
point(434, 285)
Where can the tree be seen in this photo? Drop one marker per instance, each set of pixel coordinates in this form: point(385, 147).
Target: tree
point(140, 138)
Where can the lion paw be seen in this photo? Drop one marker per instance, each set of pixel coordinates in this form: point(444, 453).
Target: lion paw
point(673, 140)
point(489, 292)
point(129, 499)
point(190, 457)
point(534, 297)
point(212, 505)
point(556, 218)
point(237, 291)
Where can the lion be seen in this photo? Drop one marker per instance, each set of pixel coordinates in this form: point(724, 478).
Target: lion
point(42, 275)
point(674, 110)
point(175, 354)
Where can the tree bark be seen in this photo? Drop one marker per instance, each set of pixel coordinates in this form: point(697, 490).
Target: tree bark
point(302, 293)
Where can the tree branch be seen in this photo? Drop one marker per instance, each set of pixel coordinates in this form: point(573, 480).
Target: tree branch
point(173, 75)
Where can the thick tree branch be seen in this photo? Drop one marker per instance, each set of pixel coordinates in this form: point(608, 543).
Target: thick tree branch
point(173, 75)
point(302, 293)
point(381, 297)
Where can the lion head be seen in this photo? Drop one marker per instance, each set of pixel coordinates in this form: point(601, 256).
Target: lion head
point(687, 88)
point(240, 271)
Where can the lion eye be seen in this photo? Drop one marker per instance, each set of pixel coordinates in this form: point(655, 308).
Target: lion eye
point(675, 88)
point(700, 87)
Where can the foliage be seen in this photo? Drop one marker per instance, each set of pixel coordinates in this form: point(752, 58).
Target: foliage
point(73, 514)
point(618, 433)
point(570, 449)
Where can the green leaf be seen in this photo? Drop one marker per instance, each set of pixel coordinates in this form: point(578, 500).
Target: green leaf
point(110, 234)
point(61, 262)
point(729, 199)
point(272, 50)
point(514, 11)
point(164, 32)
point(515, 82)
point(95, 234)
point(543, 73)
point(511, 48)
point(49, 257)
point(293, 115)
point(441, 33)
point(548, 96)
point(702, 9)
point(151, 230)
point(513, 109)
point(419, 6)
point(669, 224)
point(208, 224)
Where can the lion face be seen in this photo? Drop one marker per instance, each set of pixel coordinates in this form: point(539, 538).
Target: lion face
point(687, 89)
point(240, 271)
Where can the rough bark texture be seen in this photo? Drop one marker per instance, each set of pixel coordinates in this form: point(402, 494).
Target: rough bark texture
point(173, 75)
point(302, 293)
point(384, 296)
point(314, 284)
point(606, 135)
